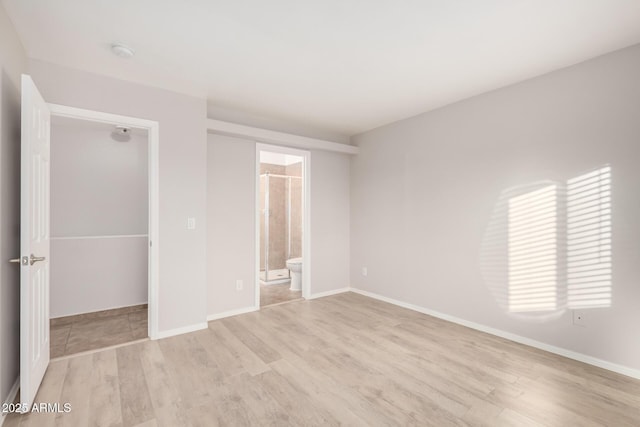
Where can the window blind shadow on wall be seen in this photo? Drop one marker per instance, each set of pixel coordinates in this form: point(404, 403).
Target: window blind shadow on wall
point(548, 245)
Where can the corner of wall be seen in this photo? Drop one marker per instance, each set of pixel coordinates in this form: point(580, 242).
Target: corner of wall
point(12, 65)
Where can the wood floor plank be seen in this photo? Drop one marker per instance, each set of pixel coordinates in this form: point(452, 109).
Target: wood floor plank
point(50, 391)
point(543, 409)
point(242, 327)
point(104, 405)
point(340, 360)
point(168, 406)
point(134, 398)
point(75, 391)
point(314, 391)
point(228, 364)
point(195, 375)
point(262, 408)
point(510, 418)
point(335, 388)
point(437, 401)
point(225, 338)
point(482, 413)
point(295, 401)
point(225, 408)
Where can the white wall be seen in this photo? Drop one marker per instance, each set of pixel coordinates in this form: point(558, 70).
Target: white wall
point(12, 64)
point(231, 222)
point(182, 170)
point(423, 190)
point(330, 218)
point(90, 275)
point(99, 187)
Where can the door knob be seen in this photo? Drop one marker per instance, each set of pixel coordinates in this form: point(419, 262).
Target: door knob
point(33, 259)
point(24, 260)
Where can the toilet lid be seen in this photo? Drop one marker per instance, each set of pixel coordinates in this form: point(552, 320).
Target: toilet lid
point(294, 261)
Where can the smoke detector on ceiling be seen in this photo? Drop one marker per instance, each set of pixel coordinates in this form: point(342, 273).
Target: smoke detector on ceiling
point(122, 50)
point(123, 130)
point(121, 134)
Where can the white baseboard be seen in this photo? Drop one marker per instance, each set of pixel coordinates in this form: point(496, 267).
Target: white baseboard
point(328, 293)
point(183, 330)
point(275, 282)
point(10, 397)
point(231, 313)
point(624, 370)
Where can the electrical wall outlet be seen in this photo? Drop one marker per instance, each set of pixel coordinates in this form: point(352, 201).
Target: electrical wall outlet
point(239, 285)
point(364, 271)
point(579, 318)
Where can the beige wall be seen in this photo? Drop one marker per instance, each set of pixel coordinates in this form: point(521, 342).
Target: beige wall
point(423, 192)
point(231, 243)
point(182, 174)
point(12, 64)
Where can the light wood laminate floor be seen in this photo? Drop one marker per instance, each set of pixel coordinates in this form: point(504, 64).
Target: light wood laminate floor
point(277, 294)
point(345, 359)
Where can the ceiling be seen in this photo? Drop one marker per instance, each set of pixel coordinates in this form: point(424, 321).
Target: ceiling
point(344, 66)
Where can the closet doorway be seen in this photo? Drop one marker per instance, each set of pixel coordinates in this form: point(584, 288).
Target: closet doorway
point(101, 216)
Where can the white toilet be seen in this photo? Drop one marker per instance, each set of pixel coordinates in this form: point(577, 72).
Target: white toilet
point(295, 266)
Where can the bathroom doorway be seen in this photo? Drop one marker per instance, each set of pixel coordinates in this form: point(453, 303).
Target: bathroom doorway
point(281, 225)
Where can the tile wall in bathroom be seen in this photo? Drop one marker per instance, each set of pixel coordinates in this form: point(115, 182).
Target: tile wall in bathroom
point(278, 230)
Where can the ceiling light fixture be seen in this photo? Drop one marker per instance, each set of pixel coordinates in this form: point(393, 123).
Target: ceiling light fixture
point(122, 51)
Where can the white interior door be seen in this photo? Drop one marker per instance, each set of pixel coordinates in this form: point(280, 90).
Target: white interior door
point(34, 241)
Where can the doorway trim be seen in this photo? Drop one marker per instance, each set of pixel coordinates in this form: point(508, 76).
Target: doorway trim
point(306, 216)
point(152, 128)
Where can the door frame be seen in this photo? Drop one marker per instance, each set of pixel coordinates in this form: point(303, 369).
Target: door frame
point(152, 128)
point(306, 216)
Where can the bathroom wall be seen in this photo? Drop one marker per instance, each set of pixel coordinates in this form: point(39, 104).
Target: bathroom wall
point(13, 62)
point(231, 243)
point(99, 218)
point(295, 228)
point(424, 189)
point(278, 220)
point(277, 216)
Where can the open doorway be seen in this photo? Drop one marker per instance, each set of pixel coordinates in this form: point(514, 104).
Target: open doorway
point(99, 261)
point(282, 225)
